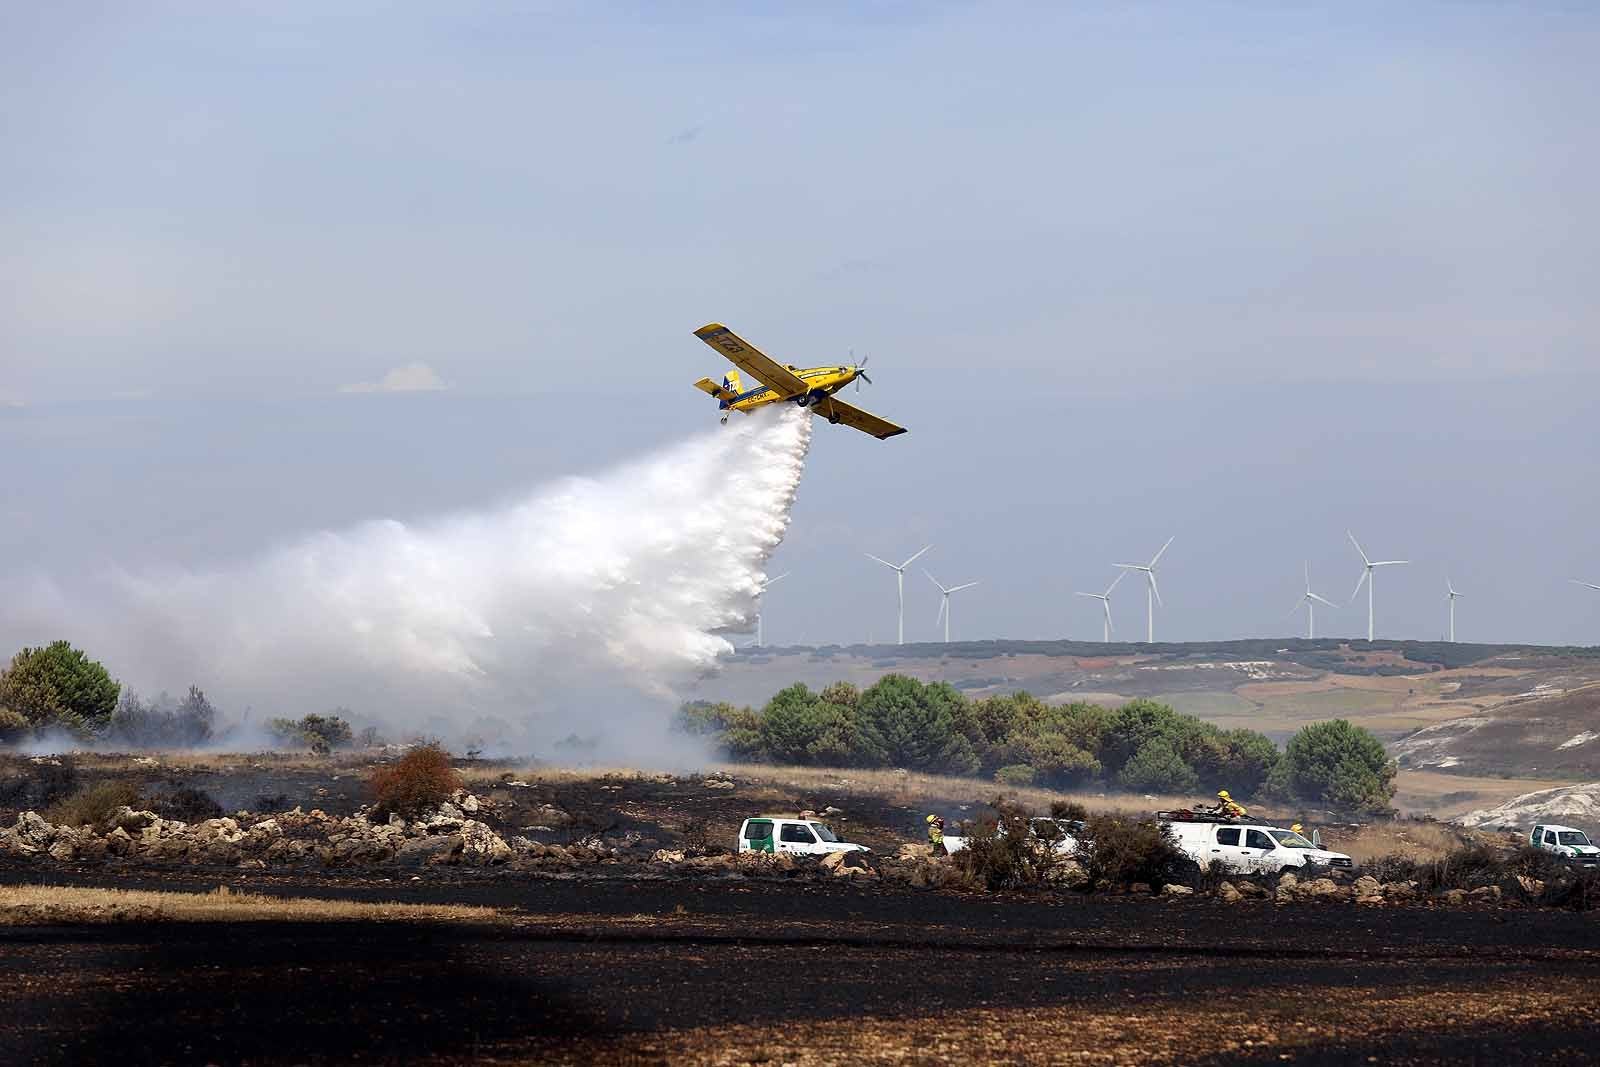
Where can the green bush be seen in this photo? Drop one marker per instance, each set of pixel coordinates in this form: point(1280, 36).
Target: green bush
point(320, 733)
point(1339, 765)
point(57, 686)
point(1119, 851)
point(798, 726)
point(1016, 775)
point(994, 860)
point(1157, 768)
point(93, 805)
point(907, 723)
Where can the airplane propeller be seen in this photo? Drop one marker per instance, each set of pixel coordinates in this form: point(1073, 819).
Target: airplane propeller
point(861, 370)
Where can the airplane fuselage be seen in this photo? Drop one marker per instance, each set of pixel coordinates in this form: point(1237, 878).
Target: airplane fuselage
point(820, 382)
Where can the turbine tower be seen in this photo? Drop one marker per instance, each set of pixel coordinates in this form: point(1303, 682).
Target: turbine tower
point(760, 595)
point(1453, 596)
point(1310, 600)
point(1366, 577)
point(944, 603)
point(1152, 595)
point(1105, 602)
point(900, 588)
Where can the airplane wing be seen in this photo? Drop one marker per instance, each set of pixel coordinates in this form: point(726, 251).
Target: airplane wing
point(835, 410)
point(750, 359)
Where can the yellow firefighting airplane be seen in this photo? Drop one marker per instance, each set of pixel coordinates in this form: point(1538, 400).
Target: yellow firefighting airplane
point(810, 387)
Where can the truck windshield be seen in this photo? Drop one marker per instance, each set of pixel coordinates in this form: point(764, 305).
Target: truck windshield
point(1574, 837)
point(822, 831)
point(1290, 839)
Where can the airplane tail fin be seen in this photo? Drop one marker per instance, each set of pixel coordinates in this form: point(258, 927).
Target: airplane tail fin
point(721, 392)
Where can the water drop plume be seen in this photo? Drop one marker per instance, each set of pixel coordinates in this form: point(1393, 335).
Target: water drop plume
point(582, 608)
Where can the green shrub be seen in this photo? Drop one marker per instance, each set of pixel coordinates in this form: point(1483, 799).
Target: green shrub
point(1011, 859)
point(1068, 809)
point(1016, 775)
point(58, 686)
point(1340, 765)
point(1119, 851)
point(419, 780)
point(906, 723)
point(320, 733)
point(1157, 768)
point(93, 805)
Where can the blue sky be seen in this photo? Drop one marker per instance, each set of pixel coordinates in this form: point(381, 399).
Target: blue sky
point(1252, 274)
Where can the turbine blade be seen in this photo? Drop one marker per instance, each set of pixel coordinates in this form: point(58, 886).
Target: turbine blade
point(1308, 577)
point(885, 562)
point(1359, 583)
point(944, 604)
point(935, 581)
point(1389, 562)
point(1322, 600)
point(1154, 588)
point(1120, 575)
point(1097, 596)
point(919, 552)
point(1164, 548)
point(1131, 566)
point(775, 581)
point(957, 588)
point(1296, 609)
point(1579, 581)
point(1111, 626)
point(1353, 541)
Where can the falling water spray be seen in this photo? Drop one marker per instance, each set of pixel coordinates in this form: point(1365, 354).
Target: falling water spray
point(583, 608)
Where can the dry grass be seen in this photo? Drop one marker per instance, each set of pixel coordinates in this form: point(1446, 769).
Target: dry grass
point(30, 905)
point(1415, 840)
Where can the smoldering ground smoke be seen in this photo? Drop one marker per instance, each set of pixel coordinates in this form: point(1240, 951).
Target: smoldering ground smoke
point(579, 609)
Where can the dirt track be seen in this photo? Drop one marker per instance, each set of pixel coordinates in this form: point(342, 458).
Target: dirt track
point(736, 972)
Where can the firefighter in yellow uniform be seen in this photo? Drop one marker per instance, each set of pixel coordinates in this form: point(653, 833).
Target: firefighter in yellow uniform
point(936, 833)
point(1228, 806)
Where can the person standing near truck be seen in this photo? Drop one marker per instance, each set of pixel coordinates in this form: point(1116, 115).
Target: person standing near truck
point(936, 833)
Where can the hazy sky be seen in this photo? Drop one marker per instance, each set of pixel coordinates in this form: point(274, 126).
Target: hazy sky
point(1247, 273)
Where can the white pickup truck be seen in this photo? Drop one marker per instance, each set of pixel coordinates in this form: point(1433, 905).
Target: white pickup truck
point(1249, 848)
point(1568, 842)
point(1059, 834)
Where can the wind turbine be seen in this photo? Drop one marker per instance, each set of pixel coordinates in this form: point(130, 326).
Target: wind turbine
point(1311, 600)
point(1105, 602)
point(900, 587)
point(1366, 577)
point(944, 604)
point(760, 594)
point(1453, 597)
point(1152, 595)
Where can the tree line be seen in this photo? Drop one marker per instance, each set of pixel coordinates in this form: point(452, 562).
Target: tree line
point(1018, 739)
point(58, 689)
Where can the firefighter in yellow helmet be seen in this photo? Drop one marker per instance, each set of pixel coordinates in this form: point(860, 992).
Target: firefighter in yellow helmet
point(936, 833)
point(1228, 806)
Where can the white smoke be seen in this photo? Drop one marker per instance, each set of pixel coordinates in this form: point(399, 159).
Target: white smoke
point(583, 608)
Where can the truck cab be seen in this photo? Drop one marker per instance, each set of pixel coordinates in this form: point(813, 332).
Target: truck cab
point(805, 837)
point(1568, 842)
point(1250, 848)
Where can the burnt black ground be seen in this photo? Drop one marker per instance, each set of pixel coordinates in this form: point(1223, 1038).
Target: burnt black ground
point(744, 952)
